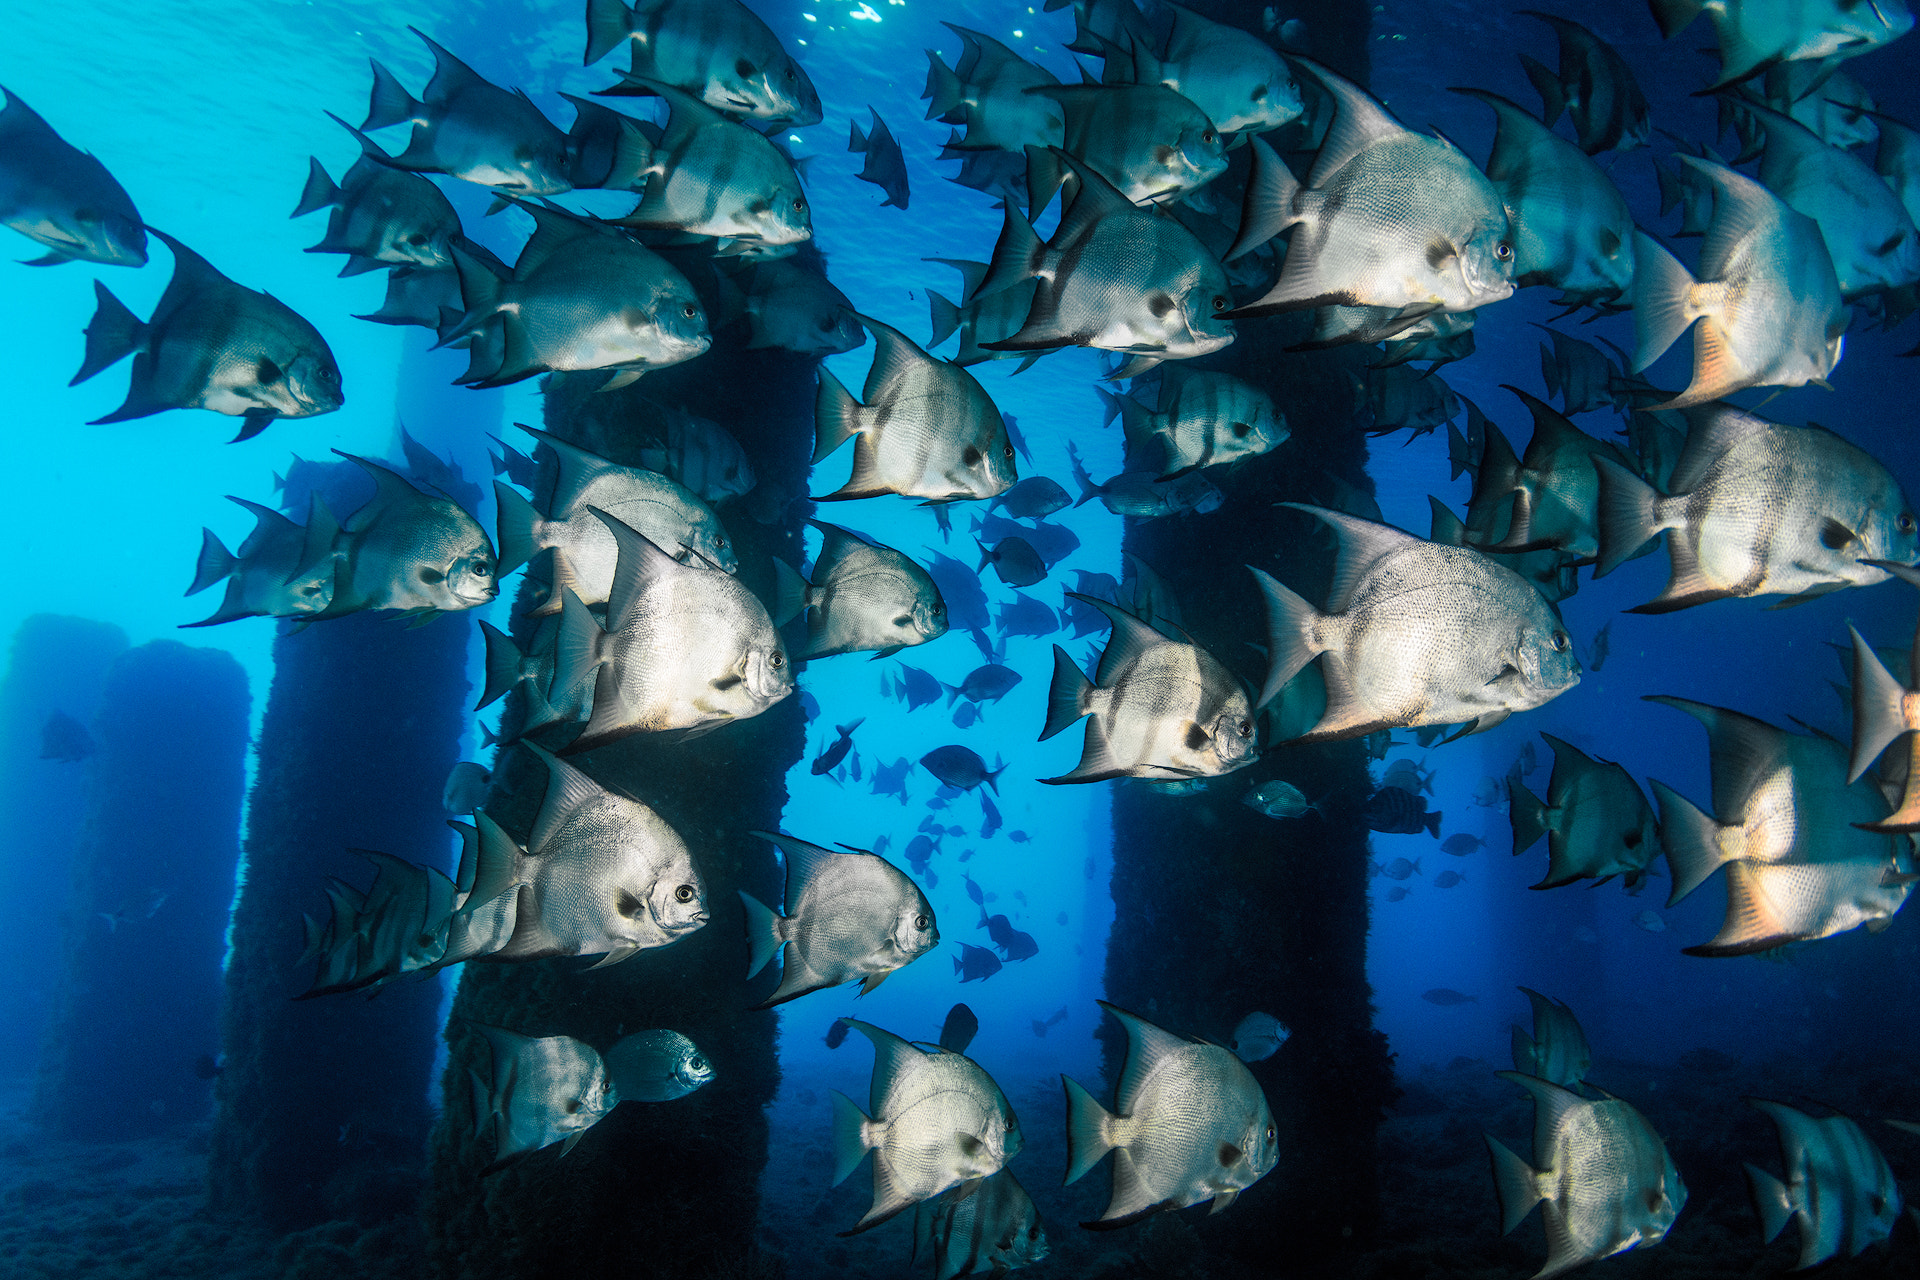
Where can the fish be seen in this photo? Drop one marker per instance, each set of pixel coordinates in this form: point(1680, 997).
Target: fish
point(1278, 799)
point(1652, 921)
point(986, 92)
point(1407, 774)
point(1034, 498)
point(1837, 1185)
point(1488, 793)
point(960, 588)
point(656, 1066)
point(1547, 499)
point(1015, 560)
point(850, 917)
point(961, 767)
point(718, 50)
point(989, 683)
point(891, 779)
point(212, 344)
point(1548, 570)
point(1143, 496)
point(61, 197)
point(1390, 809)
point(1604, 1177)
point(1013, 944)
point(1759, 508)
point(1189, 1123)
point(684, 649)
point(1387, 218)
point(1594, 87)
point(926, 429)
point(918, 687)
point(582, 296)
point(1113, 277)
point(282, 570)
point(1446, 997)
point(794, 307)
point(1401, 398)
point(1460, 844)
point(380, 216)
point(539, 1091)
point(711, 176)
point(1766, 297)
point(1570, 226)
point(885, 168)
point(700, 455)
point(1753, 36)
point(991, 821)
point(1448, 879)
point(1597, 822)
point(469, 128)
point(958, 1031)
point(1153, 145)
point(1055, 1018)
point(65, 739)
point(975, 963)
point(1239, 80)
point(1398, 893)
point(1401, 869)
point(530, 671)
point(988, 1227)
point(1208, 419)
point(1157, 708)
point(1804, 857)
point(836, 1034)
point(831, 755)
point(1399, 596)
point(1597, 651)
point(1833, 104)
point(1557, 1051)
point(466, 788)
point(407, 549)
point(862, 596)
point(1258, 1036)
point(1051, 541)
point(1026, 616)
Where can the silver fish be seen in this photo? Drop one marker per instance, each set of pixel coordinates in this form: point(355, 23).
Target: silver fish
point(1767, 299)
point(987, 92)
point(1838, 1186)
point(1604, 1178)
point(530, 670)
point(405, 549)
point(1594, 86)
point(863, 596)
point(925, 429)
point(379, 216)
point(466, 788)
point(1759, 508)
point(1417, 633)
point(1152, 144)
point(850, 917)
point(61, 197)
point(539, 1092)
point(1547, 499)
point(281, 571)
point(1597, 822)
point(986, 1227)
point(1239, 80)
point(937, 1121)
point(1833, 104)
point(796, 308)
point(981, 317)
point(1258, 1036)
point(656, 1066)
point(1400, 398)
point(1157, 708)
point(1189, 1124)
point(212, 344)
point(1206, 419)
point(1143, 495)
point(1754, 34)
point(581, 296)
point(684, 649)
point(1803, 852)
point(1387, 218)
point(1278, 799)
point(700, 454)
point(1557, 1051)
point(470, 128)
point(718, 50)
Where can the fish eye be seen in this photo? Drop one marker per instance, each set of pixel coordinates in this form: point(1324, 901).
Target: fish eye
point(1502, 250)
point(1007, 452)
point(1270, 1134)
point(778, 660)
point(920, 922)
point(1245, 728)
point(970, 457)
point(85, 215)
point(481, 569)
point(1207, 135)
point(1220, 301)
point(799, 205)
point(689, 311)
point(1906, 522)
point(683, 893)
point(696, 1063)
point(1560, 642)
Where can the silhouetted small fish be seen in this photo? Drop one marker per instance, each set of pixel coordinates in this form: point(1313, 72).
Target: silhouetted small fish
point(1033, 498)
point(1460, 844)
point(1054, 1019)
point(1652, 921)
point(975, 963)
point(65, 739)
point(1400, 869)
point(1395, 811)
point(886, 168)
point(1445, 996)
point(1448, 879)
point(837, 1033)
point(917, 687)
point(960, 588)
point(958, 1031)
point(961, 767)
point(1397, 893)
point(1015, 560)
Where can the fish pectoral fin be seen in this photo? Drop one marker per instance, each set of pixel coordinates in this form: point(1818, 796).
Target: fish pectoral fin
point(573, 1140)
point(969, 1146)
point(1222, 1200)
point(873, 980)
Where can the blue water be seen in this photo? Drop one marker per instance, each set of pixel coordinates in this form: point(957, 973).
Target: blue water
point(207, 112)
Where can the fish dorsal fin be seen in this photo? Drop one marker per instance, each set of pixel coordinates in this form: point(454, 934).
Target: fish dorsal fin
point(1447, 527)
point(1552, 1106)
point(449, 73)
point(1147, 1047)
point(640, 565)
point(266, 521)
point(391, 491)
point(469, 863)
point(496, 863)
point(892, 1057)
point(1359, 121)
point(895, 357)
point(1130, 641)
point(983, 55)
point(972, 275)
point(1712, 429)
point(1362, 543)
point(191, 274)
point(553, 229)
point(804, 862)
point(686, 113)
point(1095, 198)
point(578, 469)
point(1516, 138)
point(1788, 141)
point(1741, 208)
point(835, 546)
point(319, 537)
point(1499, 471)
point(1745, 754)
point(1570, 764)
point(567, 789)
point(1553, 433)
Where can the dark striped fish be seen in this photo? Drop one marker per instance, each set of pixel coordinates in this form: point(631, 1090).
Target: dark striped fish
point(717, 50)
point(1148, 141)
point(987, 91)
point(1207, 418)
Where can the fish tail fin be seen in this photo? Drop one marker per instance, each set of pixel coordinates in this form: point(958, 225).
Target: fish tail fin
point(1109, 405)
point(836, 415)
point(790, 592)
point(1433, 825)
point(1267, 208)
point(1290, 641)
point(945, 318)
point(944, 88)
point(608, 23)
point(1524, 1051)
point(390, 103)
point(1671, 192)
point(1044, 178)
point(1878, 707)
point(215, 563)
point(1016, 254)
point(1067, 696)
point(577, 649)
point(763, 933)
point(113, 334)
point(1661, 312)
point(1691, 840)
point(1674, 15)
point(1771, 1202)
point(505, 664)
point(1088, 489)
point(1527, 814)
point(850, 1142)
point(1515, 1183)
point(320, 191)
point(1087, 1134)
point(1553, 97)
point(515, 519)
point(1626, 515)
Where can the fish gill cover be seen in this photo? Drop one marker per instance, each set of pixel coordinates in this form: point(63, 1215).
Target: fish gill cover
point(1331, 615)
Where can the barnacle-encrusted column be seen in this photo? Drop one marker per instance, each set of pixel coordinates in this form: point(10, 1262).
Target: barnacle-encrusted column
point(323, 1103)
point(661, 1189)
point(139, 995)
point(1221, 910)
